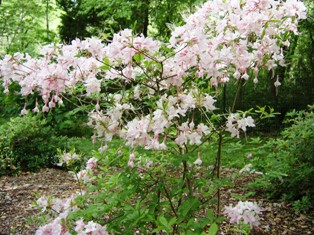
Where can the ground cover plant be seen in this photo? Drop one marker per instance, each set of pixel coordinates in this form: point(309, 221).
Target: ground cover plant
point(158, 97)
point(288, 159)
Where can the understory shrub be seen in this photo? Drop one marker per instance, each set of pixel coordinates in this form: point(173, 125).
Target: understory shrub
point(27, 144)
point(288, 160)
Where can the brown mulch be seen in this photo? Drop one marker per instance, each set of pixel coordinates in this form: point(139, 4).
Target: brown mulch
point(18, 193)
point(276, 219)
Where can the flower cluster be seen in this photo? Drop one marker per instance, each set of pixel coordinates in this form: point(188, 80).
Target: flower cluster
point(86, 173)
point(91, 228)
point(222, 40)
point(61, 207)
point(246, 211)
point(235, 123)
point(223, 35)
point(68, 158)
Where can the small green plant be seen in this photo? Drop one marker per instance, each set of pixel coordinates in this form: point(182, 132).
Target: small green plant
point(28, 144)
point(302, 205)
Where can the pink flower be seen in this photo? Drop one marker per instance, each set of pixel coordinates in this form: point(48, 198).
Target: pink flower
point(249, 155)
point(97, 106)
point(24, 111)
point(92, 85)
point(208, 102)
point(83, 175)
point(103, 148)
point(80, 225)
point(132, 157)
point(235, 123)
point(246, 211)
point(131, 160)
point(45, 109)
point(131, 164)
point(50, 229)
point(36, 109)
point(95, 229)
point(277, 83)
point(91, 163)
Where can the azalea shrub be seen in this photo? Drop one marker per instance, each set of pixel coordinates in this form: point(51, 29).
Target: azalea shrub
point(157, 97)
point(150, 197)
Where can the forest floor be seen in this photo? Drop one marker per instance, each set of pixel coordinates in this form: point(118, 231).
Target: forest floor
point(18, 193)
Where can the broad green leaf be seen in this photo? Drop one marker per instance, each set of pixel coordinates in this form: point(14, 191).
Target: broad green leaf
point(213, 229)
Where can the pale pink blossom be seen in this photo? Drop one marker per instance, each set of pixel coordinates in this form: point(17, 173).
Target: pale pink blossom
point(80, 226)
point(36, 109)
point(103, 148)
point(24, 111)
point(45, 108)
point(91, 163)
point(50, 229)
point(68, 158)
point(235, 123)
point(131, 164)
point(198, 160)
point(247, 212)
point(95, 229)
point(208, 102)
point(277, 83)
point(83, 175)
point(249, 155)
point(132, 157)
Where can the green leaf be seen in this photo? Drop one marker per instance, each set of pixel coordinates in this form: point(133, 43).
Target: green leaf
point(213, 229)
point(138, 57)
point(162, 221)
point(106, 65)
point(210, 215)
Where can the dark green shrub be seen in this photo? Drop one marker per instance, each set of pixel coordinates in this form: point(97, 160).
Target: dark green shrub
point(288, 161)
point(27, 143)
point(66, 119)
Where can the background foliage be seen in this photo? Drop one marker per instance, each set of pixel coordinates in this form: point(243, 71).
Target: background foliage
point(27, 143)
point(289, 160)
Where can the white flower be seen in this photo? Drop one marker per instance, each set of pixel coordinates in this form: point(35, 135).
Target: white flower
point(277, 83)
point(24, 111)
point(198, 160)
point(246, 211)
point(42, 202)
point(36, 109)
